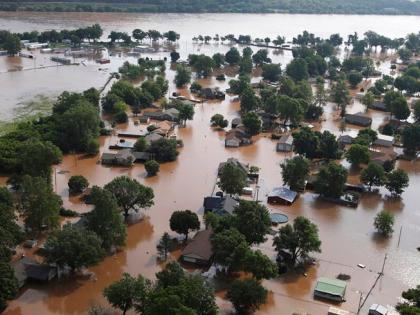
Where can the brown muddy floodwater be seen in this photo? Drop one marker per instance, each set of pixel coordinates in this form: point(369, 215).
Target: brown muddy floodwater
point(347, 234)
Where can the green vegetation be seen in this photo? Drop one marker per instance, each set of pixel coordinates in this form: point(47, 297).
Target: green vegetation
point(184, 221)
point(246, 295)
point(152, 167)
point(232, 179)
point(383, 223)
point(295, 172)
point(77, 184)
point(331, 180)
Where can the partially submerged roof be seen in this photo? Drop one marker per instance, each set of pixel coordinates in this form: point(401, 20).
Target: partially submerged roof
point(286, 139)
point(331, 286)
point(283, 193)
point(200, 246)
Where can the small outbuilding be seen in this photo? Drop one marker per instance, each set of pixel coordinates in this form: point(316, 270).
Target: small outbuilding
point(285, 144)
point(384, 141)
point(359, 119)
point(199, 251)
point(330, 289)
point(282, 195)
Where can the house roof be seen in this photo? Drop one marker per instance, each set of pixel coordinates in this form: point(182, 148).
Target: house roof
point(378, 309)
point(39, 272)
point(152, 137)
point(331, 286)
point(124, 154)
point(141, 156)
point(359, 118)
point(220, 205)
point(283, 193)
point(200, 246)
point(236, 162)
point(286, 139)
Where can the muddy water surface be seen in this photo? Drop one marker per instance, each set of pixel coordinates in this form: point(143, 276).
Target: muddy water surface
point(347, 234)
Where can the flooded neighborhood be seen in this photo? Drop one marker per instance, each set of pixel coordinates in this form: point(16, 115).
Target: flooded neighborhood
point(354, 267)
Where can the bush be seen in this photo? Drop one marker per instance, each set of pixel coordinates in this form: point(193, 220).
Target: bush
point(92, 147)
point(152, 167)
point(77, 184)
point(384, 222)
point(120, 117)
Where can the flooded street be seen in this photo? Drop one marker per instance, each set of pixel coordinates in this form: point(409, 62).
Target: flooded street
point(347, 234)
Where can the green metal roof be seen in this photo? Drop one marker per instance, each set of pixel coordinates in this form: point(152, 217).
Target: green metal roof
point(331, 286)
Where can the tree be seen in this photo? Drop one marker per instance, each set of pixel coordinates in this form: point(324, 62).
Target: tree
point(411, 139)
point(140, 145)
point(295, 171)
point(383, 223)
point(405, 54)
point(328, 146)
point(186, 112)
point(396, 181)
point(152, 167)
point(397, 105)
point(171, 276)
point(164, 246)
point(218, 59)
point(416, 111)
point(128, 292)
point(358, 154)
point(290, 109)
point(249, 100)
point(246, 295)
point(184, 221)
point(368, 99)
point(202, 64)
point(298, 239)
point(252, 220)
point(373, 175)
point(77, 184)
point(245, 66)
point(8, 284)
point(297, 69)
point(354, 78)
point(306, 142)
point(340, 95)
point(73, 247)
point(411, 305)
point(105, 220)
point(331, 180)
point(261, 57)
point(139, 34)
point(232, 179)
point(163, 150)
point(130, 194)
point(233, 56)
point(39, 205)
point(230, 248)
point(182, 76)
point(271, 72)
point(252, 123)
point(12, 44)
point(219, 121)
point(259, 265)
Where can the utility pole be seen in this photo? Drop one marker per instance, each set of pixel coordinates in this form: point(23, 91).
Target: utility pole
point(360, 302)
point(383, 265)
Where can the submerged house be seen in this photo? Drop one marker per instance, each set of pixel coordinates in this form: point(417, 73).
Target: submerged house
point(27, 269)
point(379, 105)
point(212, 94)
point(282, 195)
point(235, 162)
point(384, 141)
point(237, 137)
point(220, 205)
point(285, 144)
point(122, 158)
point(199, 251)
point(358, 119)
point(330, 289)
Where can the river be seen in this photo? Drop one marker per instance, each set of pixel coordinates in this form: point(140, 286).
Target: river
point(347, 234)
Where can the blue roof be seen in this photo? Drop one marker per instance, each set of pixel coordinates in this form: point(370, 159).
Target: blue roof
point(284, 193)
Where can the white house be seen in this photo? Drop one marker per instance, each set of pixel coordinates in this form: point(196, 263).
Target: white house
point(384, 141)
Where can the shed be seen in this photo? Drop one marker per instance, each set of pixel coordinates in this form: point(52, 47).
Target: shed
point(282, 195)
point(359, 119)
point(384, 141)
point(141, 156)
point(331, 289)
point(108, 158)
point(379, 106)
point(199, 251)
point(285, 143)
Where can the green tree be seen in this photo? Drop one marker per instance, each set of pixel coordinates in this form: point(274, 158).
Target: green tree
point(340, 95)
point(219, 121)
point(383, 223)
point(259, 265)
point(232, 179)
point(306, 142)
point(152, 167)
point(233, 56)
point(12, 44)
point(298, 239)
point(405, 54)
point(182, 76)
point(373, 175)
point(105, 219)
point(246, 295)
point(73, 247)
point(368, 99)
point(354, 78)
point(358, 154)
point(8, 284)
point(411, 139)
point(328, 146)
point(416, 111)
point(411, 305)
point(140, 145)
point(396, 182)
point(128, 292)
point(331, 180)
point(164, 246)
point(39, 205)
point(77, 184)
point(366, 137)
point(297, 69)
point(295, 172)
point(186, 112)
point(171, 276)
point(184, 221)
point(249, 101)
point(252, 123)
point(164, 150)
point(252, 220)
point(130, 194)
point(271, 72)
point(290, 109)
